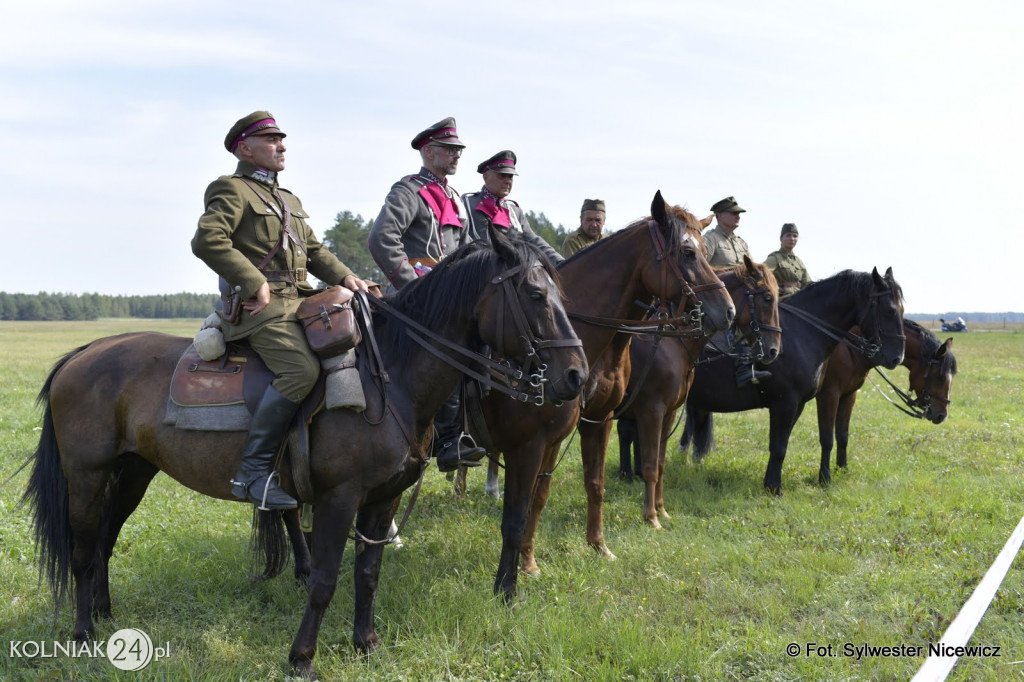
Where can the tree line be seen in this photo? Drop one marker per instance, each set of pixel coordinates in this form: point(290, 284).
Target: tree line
point(346, 239)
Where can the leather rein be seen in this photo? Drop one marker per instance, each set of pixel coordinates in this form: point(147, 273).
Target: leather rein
point(663, 323)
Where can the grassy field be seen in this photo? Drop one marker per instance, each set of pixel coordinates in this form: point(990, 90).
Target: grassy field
point(886, 556)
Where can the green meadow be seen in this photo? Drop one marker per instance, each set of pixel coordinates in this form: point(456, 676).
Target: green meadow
point(886, 556)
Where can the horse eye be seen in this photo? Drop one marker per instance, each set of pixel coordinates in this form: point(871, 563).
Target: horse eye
point(536, 296)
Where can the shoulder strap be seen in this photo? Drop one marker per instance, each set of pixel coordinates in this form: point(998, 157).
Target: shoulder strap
point(284, 213)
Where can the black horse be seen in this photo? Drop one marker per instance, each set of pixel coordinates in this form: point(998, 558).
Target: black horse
point(814, 321)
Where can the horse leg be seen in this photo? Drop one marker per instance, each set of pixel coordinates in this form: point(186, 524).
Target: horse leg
point(373, 522)
point(300, 549)
point(331, 524)
point(649, 432)
point(701, 427)
point(493, 487)
point(459, 482)
point(782, 421)
point(522, 464)
point(85, 509)
point(659, 491)
point(627, 431)
point(843, 416)
point(827, 404)
point(593, 445)
point(126, 490)
point(541, 490)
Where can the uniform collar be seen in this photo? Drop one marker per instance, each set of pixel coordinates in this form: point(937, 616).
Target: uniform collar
point(433, 178)
point(260, 175)
point(487, 194)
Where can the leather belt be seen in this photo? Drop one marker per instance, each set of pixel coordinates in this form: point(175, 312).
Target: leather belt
point(293, 276)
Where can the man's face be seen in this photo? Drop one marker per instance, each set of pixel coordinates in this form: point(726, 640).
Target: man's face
point(265, 151)
point(789, 240)
point(441, 159)
point(498, 184)
point(730, 221)
point(592, 222)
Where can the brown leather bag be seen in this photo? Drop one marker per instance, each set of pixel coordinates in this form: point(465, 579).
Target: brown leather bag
point(329, 321)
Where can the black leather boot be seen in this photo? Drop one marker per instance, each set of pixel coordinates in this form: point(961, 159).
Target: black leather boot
point(746, 370)
point(452, 447)
point(254, 481)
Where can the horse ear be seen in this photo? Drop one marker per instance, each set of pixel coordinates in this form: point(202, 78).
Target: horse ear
point(749, 264)
point(888, 274)
point(704, 222)
point(502, 246)
point(879, 282)
point(659, 209)
point(945, 348)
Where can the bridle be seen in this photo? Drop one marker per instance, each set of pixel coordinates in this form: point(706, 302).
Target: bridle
point(662, 322)
point(751, 336)
point(869, 348)
point(919, 407)
point(525, 383)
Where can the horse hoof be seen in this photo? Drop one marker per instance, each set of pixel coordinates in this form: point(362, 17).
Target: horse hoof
point(605, 553)
point(664, 514)
point(530, 568)
point(654, 523)
point(303, 673)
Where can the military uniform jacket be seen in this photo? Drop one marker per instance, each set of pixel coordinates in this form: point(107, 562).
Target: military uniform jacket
point(480, 222)
point(787, 268)
point(724, 249)
point(239, 229)
point(577, 241)
point(408, 228)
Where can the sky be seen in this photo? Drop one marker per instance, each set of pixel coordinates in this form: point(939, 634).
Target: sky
point(888, 131)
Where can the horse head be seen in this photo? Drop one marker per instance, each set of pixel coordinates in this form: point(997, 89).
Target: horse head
point(931, 376)
point(756, 294)
point(521, 315)
point(681, 272)
point(883, 320)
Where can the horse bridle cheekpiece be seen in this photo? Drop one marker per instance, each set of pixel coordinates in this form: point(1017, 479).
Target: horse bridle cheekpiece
point(752, 336)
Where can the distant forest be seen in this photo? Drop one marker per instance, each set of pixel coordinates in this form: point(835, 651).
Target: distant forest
point(45, 306)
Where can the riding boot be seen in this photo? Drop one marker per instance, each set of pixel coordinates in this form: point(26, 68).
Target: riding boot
point(254, 481)
point(452, 447)
point(746, 370)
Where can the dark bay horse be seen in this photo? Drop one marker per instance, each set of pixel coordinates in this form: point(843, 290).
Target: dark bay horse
point(814, 320)
point(931, 364)
point(104, 440)
point(661, 257)
point(663, 371)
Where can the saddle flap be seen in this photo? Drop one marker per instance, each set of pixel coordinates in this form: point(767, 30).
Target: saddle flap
point(197, 382)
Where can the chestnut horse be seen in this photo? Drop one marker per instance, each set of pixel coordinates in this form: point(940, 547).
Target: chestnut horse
point(659, 257)
point(104, 440)
point(931, 364)
point(663, 371)
point(814, 320)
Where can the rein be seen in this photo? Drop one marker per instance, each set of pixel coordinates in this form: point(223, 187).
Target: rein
point(667, 325)
point(752, 336)
point(865, 347)
point(914, 407)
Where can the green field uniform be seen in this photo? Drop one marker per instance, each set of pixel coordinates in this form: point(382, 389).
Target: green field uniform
point(724, 249)
point(577, 241)
point(235, 233)
point(789, 271)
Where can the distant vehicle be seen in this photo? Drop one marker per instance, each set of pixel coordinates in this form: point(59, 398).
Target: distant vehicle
point(957, 325)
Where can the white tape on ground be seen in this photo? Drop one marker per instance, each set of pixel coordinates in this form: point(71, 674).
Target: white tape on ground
point(936, 668)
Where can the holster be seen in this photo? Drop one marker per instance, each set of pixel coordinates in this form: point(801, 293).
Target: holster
point(231, 302)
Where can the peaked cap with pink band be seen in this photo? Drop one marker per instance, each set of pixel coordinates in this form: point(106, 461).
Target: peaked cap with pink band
point(256, 123)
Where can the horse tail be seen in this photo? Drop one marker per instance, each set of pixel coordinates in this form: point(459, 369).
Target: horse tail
point(268, 543)
point(47, 495)
point(703, 431)
point(686, 438)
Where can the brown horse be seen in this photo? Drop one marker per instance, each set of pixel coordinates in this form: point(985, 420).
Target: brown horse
point(661, 257)
point(663, 371)
point(931, 364)
point(104, 439)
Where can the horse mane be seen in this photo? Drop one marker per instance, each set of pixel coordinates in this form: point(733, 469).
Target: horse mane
point(690, 224)
point(846, 281)
point(929, 345)
point(439, 301)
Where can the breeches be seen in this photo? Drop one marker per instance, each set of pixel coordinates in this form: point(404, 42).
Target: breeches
point(282, 346)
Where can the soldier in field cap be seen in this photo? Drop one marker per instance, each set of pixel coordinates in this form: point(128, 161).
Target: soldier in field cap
point(789, 270)
point(491, 205)
point(254, 234)
point(422, 221)
point(591, 223)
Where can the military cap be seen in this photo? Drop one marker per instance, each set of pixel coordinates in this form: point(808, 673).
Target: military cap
point(442, 132)
point(727, 205)
point(592, 205)
point(788, 227)
point(502, 162)
point(256, 123)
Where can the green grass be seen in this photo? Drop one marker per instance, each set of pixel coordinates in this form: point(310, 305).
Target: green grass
point(885, 556)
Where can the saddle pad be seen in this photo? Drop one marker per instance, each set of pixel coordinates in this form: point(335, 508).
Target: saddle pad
point(215, 382)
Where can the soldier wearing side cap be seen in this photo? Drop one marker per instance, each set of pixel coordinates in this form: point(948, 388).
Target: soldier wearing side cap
point(790, 272)
point(422, 221)
point(591, 223)
point(491, 205)
point(253, 234)
point(724, 249)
